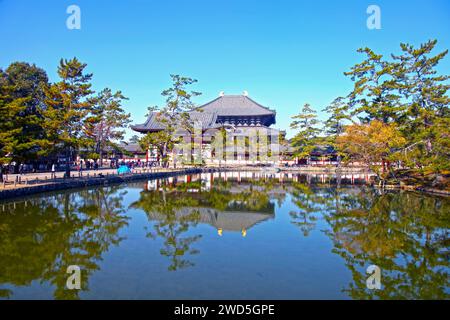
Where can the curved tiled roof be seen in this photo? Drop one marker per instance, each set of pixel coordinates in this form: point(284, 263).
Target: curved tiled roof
point(236, 105)
point(207, 119)
point(226, 220)
point(222, 107)
point(152, 123)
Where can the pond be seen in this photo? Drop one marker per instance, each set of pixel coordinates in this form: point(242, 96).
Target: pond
point(235, 235)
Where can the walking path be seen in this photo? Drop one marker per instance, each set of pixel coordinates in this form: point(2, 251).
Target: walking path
point(14, 181)
point(88, 178)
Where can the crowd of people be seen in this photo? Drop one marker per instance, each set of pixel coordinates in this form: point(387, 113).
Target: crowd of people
point(80, 166)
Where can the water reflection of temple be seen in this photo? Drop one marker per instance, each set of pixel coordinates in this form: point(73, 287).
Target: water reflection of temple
point(223, 221)
point(246, 178)
point(249, 176)
point(241, 206)
point(245, 197)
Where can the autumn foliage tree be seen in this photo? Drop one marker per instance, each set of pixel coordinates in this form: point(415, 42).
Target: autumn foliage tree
point(371, 144)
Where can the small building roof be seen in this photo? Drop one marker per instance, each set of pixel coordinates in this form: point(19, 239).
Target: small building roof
point(207, 120)
point(131, 147)
point(152, 124)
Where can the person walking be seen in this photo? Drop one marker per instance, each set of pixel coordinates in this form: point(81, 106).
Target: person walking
point(80, 168)
point(53, 171)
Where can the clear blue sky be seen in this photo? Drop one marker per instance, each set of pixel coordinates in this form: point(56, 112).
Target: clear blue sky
point(284, 53)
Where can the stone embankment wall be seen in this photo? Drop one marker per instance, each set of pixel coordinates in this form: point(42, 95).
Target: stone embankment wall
point(62, 184)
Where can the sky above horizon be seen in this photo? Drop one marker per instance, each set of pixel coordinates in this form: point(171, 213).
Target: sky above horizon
point(284, 53)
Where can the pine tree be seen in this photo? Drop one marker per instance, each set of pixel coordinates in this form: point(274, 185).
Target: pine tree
point(427, 104)
point(338, 116)
point(374, 95)
point(307, 136)
point(68, 104)
point(334, 126)
point(407, 91)
point(105, 124)
point(173, 116)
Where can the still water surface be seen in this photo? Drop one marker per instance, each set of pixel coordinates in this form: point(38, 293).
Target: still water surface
point(226, 236)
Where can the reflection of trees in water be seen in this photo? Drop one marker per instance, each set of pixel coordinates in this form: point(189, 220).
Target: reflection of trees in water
point(405, 234)
point(309, 202)
point(41, 237)
point(176, 246)
point(175, 211)
point(163, 206)
point(254, 196)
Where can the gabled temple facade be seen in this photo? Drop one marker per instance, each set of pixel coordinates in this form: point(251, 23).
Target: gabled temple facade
point(239, 115)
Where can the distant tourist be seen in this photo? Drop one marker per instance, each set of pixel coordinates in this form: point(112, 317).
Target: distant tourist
point(53, 171)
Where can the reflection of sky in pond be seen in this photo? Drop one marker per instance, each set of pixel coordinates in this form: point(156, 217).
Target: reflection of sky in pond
point(233, 237)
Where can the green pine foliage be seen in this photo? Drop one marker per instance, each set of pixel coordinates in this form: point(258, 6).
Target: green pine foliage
point(40, 121)
point(307, 137)
point(105, 125)
point(68, 103)
point(406, 91)
point(173, 116)
point(334, 126)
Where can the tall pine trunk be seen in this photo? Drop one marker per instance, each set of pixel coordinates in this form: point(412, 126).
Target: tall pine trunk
point(68, 161)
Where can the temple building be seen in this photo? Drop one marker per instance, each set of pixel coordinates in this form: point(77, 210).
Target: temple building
point(241, 117)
